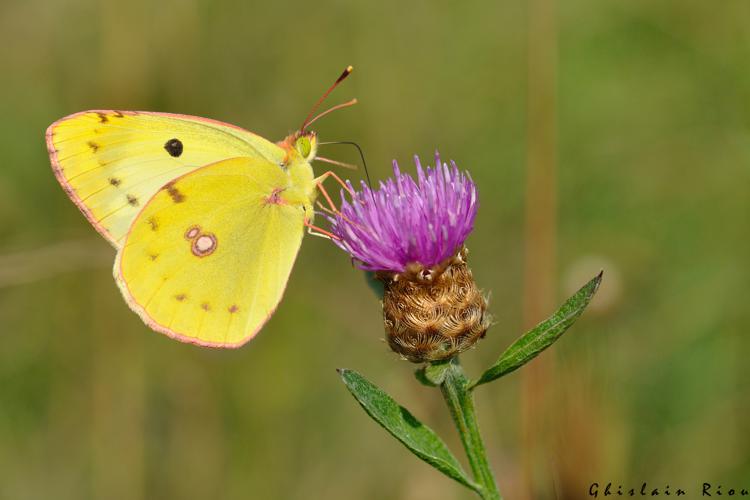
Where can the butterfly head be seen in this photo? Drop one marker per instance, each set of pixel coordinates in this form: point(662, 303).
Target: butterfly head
point(306, 144)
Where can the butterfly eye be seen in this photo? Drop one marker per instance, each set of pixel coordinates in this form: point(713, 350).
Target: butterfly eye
point(304, 146)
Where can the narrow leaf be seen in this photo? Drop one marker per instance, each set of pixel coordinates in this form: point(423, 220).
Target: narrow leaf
point(402, 425)
point(542, 335)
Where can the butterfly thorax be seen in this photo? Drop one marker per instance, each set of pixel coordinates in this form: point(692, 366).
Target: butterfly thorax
point(300, 189)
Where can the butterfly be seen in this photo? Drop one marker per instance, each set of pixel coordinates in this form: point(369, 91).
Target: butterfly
point(207, 218)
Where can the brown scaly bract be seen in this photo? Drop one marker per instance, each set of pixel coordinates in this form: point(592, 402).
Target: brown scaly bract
point(434, 314)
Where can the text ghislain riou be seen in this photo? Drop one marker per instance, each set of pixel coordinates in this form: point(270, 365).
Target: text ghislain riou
point(706, 490)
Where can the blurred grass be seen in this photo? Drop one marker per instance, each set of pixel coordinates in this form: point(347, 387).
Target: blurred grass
point(653, 153)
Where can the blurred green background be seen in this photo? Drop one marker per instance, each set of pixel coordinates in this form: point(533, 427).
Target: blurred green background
point(651, 113)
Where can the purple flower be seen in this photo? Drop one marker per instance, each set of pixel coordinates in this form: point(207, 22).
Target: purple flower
point(406, 222)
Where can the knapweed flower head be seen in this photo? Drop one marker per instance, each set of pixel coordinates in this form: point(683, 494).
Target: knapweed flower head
point(406, 222)
point(411, 233)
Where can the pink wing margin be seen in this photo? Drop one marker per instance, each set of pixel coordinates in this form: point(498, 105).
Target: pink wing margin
point(141, 312)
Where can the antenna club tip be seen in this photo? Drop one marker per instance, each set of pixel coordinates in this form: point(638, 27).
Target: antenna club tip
point(346, 73)
point(310, 118)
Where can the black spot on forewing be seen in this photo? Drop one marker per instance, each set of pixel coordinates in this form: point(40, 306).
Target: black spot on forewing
point(114, 181)
point(132, 200)
point(102, 117)
point(153, 223)
point(174, 193)
point(173, 147)
point(206, 306)
point(180, 297)
point(94, 146)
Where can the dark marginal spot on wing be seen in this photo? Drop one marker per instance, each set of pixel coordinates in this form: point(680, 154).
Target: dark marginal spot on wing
point(233, 309)
point(153, 223)
point(102, 118)
point(206, 306)
point(153, 256)
point(94, 146)
point(174, 193)
point(180, 297)
point(132, 200)
point(173, 147)
point(118, 114)
point(114, 181)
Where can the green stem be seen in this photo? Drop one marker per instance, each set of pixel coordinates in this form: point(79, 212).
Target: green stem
point(461, 404)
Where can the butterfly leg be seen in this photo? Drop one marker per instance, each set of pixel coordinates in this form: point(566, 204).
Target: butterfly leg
point(333, 210)
point(319, 184)
point(316, 231)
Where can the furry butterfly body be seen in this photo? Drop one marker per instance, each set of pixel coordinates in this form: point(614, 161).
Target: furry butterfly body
point(206, 218)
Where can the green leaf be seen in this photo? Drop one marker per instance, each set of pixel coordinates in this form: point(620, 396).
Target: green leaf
point(402, 425)
point(542, 335)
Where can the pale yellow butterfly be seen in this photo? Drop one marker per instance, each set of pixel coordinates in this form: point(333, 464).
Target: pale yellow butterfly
point(207, 218)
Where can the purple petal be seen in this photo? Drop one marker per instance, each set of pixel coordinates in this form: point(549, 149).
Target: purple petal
point(405, 221)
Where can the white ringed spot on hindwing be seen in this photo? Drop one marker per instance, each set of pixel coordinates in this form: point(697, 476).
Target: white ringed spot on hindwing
point(204, 245)
point(192, 233)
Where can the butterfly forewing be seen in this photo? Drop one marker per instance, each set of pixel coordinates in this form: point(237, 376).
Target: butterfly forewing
point(111, 163)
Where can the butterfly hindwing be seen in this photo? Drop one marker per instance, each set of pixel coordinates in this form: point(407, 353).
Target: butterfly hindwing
point(112, 162)
point(207, 258)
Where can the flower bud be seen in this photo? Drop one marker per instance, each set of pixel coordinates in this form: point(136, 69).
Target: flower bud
point(434, 314)
point(411, 234)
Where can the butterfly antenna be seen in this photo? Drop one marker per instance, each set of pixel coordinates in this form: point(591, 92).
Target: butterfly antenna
point(340, 79)
point(361, 155)
point(329, 110)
